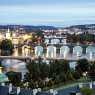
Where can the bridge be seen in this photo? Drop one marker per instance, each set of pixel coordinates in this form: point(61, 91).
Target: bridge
point(71, 52)
point(28, 59)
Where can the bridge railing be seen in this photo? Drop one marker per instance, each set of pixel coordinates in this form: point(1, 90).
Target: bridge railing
point(57, 56)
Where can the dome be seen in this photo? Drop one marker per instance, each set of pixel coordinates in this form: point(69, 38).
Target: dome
point(3, 77)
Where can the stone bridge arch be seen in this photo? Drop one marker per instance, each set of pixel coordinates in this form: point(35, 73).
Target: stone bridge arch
point(64, 51)
point(90, 49)
point(39, 51)
point(90, 52)
point(51, 51)
point(77, 50)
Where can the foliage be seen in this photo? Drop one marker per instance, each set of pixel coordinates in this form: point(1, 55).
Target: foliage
point(14, 78)
point(76, 74)
point(43, 74)
point(82, 66)
point(82, 38)
point(91, 72)
point(87, 91)
point(6, 47)
point(39, 33)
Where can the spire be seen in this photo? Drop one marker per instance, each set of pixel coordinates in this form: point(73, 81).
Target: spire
point(8, 30)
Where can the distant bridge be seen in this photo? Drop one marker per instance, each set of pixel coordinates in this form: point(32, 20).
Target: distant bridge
point(28, 59)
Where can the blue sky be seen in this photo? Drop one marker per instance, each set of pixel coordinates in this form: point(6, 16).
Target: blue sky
point(47, 12)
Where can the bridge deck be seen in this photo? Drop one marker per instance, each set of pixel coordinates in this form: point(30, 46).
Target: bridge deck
point(69, 57)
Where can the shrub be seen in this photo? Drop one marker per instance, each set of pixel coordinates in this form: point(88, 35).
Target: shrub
point(87, 91)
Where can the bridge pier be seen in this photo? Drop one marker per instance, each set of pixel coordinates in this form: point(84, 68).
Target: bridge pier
point(84, 49)
point(28, 60)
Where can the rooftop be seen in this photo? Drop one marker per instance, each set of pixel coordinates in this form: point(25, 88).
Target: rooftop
point(3, 78)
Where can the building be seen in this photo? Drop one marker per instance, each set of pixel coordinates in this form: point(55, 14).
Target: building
point(3, 77)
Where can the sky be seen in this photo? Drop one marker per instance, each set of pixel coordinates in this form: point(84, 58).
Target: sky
point(47, 12)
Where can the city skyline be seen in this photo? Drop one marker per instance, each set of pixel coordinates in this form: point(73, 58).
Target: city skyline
point(51, 12)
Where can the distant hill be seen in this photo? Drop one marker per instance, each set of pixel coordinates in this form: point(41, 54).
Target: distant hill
point(83, 27)
point(28, 28)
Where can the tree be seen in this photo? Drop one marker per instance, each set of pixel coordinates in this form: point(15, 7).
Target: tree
point(82, 66)
point(60, 71)
point(14, 78)
point(6, 47)
point(82, 38)
point(87, 91)
point(38, 71)
point(44, 69)
point(76, 75)
point(91, 72)
point(39, 33)
point(32, 71)
point(41, 74)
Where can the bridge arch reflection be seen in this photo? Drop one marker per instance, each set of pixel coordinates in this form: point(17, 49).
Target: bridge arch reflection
point(77, 50)
point(39, 51)
point(64, 51)
point(51, 51)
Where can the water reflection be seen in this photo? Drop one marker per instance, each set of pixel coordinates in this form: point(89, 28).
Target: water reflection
point(14, 65)
point(77, 50)
point(38, 51)
point(51, 51)
point(90, 49)
point(64, 51)
point(72, 65)
point(90, 52)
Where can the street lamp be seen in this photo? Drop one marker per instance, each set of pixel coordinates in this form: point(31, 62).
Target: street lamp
point(85, 75)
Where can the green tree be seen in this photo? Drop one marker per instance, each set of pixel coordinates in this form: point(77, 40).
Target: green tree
point(91, 72)
point(33, 71)
point(82, 66)
point(87, 91)
point(39, 33)
point(57, 71)
point(76, 75)
point(14, 78)
point(38, 71)
point(60, 71)
point(6, 47)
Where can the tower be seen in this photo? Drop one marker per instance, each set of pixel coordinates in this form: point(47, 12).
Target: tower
point(8, 34)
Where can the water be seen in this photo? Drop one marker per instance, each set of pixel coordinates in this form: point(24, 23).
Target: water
point(20, 66)
point(72, 65)
point(14, 65)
